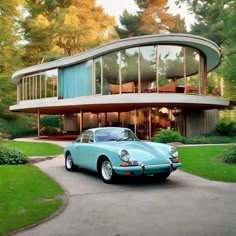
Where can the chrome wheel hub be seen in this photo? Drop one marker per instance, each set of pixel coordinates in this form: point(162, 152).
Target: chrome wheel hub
point(106, 170)
point(69, 162)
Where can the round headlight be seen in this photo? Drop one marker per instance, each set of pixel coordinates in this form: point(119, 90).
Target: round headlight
point(173, 151)
point(124, 155)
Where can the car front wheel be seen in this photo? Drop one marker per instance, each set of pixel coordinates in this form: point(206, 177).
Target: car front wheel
point(69, 163)
point(162, 176)
point(107, 173)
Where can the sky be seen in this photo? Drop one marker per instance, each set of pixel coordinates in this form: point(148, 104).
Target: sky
point(116, 8)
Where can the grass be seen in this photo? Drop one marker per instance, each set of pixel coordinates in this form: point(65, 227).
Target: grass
point(36, 149)
point(27, 196)
point(205, 161)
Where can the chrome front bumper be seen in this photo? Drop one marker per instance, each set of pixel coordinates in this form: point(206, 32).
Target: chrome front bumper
point(142, 169)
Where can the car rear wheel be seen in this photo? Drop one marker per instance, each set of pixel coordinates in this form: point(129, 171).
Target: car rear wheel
point(107, 173)
point(69, 163)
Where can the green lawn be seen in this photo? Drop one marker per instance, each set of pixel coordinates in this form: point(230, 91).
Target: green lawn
point(203, 161)
point(36, 149)
point(26, 196)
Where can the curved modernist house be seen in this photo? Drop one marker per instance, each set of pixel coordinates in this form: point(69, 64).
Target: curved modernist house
point(145, 83)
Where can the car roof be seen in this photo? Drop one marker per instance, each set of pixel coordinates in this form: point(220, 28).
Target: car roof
point(102, 128)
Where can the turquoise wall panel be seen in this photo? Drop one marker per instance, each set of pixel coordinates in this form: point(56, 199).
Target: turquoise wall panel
point(75, 81)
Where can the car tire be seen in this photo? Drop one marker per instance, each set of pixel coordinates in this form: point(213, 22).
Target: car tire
point(162, 176)
point(106, 172)
point(69, 163)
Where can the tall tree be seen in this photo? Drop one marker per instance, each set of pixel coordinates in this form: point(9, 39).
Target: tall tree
point(152, 17)
point(211, 17)
point(9, 56)
point(229, 55)
point(57, 28)
point(216, 21)
point(131, 25)
point(179, 25)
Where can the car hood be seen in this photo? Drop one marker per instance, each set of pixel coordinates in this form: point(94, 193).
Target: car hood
point(142, 151)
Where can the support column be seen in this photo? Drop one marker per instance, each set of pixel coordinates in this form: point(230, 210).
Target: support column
point(185, 72)
point(135, 121)
point(38, 123)
point(119, 119)
point(105, 114)
point(150, 122)
point(81, 121)
point(205, 78)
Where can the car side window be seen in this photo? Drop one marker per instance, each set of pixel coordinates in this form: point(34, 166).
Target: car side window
point(78, 140)
point(91, 139)
point(87, 137)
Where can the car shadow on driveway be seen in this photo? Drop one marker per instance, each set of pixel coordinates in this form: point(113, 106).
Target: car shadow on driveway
point(130, 181)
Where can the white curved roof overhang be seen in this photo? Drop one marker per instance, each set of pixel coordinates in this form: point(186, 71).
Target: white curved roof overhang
point(207, 47)
point(116, 103)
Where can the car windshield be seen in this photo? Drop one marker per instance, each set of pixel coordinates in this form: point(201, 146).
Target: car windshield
point(104, 135)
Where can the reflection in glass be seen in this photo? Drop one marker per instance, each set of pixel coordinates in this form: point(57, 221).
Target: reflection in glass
point(129, 70)
point(147, 67)
point(51, 83)
point(38, 86)
point(129, 65)
point(43, 85)
point(190, 81)
point(111, 70)
point(98, 74)
point(38, 82)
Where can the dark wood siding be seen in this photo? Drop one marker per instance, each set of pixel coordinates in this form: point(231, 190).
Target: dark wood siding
point(201, 121)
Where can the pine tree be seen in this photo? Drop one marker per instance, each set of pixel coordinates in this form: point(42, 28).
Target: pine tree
point(152, 17)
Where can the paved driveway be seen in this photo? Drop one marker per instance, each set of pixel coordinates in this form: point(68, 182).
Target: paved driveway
point(183, 205)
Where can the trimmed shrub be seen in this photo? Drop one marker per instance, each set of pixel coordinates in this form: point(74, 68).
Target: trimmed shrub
point(167, 136)
point(226, 128)
point(49, 131)
point(208, 139)
point(230, 155)
point(11, 156)
point(50, 121)
point(16, 128)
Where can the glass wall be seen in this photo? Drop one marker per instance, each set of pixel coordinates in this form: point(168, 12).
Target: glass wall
point(149, 69)
point(145, 122)
point(42, 85)
point(98, 75)
point(111, 73)
point(145, 69)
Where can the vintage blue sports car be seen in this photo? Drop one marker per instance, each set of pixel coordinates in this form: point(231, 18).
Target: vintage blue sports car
point(113, 151)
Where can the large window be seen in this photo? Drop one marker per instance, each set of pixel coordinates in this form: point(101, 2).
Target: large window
point(149, 69)
point(129, 70)
point(111, 73)
point(98, 75)
point(50, 83)
point(42, 85)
